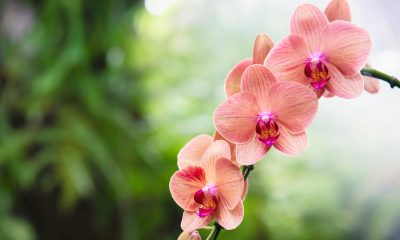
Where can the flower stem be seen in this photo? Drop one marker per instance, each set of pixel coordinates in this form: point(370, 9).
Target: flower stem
point(217, 228)
point(246, 171)
point(207, 228)
point(215, 232)
point(370, 72)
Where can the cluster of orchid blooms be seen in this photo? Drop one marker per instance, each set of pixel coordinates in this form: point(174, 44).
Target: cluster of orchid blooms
point(271, 100)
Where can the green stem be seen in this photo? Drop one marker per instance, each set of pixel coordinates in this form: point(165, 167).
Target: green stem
point(207, 228)
point(370, 72)
point(246, 171)
point(217, 228)
point(215, 232)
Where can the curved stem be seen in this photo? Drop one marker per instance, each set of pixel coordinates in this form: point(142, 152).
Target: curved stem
point(215, 232)
point(207, 228)
point(370, 72)
point(246, 171)
point(217, 228)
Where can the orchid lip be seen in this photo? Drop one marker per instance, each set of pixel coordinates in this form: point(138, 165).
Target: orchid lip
point(317, 71)
point(207, 199)
point(267, 129)
point(204, 212)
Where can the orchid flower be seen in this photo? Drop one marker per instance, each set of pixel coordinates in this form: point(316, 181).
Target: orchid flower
point(322, 54)
point(266, 113)
point(211, 189)
point(192, 152)
point(340, 10)
point(262, 46)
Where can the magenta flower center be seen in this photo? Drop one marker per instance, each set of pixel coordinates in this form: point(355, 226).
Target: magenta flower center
point(317, 71)
point(207, 199)
point(267, 130)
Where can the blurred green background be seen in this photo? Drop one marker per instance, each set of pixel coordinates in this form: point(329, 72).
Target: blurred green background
point(97, 98)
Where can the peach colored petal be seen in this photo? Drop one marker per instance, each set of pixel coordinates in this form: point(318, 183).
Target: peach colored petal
point(236, 118)
point(192, 152)
point(191, 222)
point(257, 79)
point(342, 86)
point(229, 219)
point(371, 85)
point(232, 146)
point(262, 46)
point(292, 144)
point(293, 104)
point(217, 150)
point(251, 152)
point(184, 184)
point(245, 190)
point(287, 59)
point(338, 10)
point(308, 21)
point(346, 46)
point(232, 81)
point(328, 94)
point(229, 182)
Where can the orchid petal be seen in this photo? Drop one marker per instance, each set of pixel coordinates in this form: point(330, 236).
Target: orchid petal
point(245, 189)
point(235, 119)
point(232, 146)
point(293, 104)
point(346, 46)
point(286, 60)
point(184, 184)
point(229, 182)
point(232, 81)
point(342, 86)
point(308, 21)
point(262, 46)
point(229, 219)
point(251, 152)
point(192, 152)
point(338, 10)
point(292, 144)
point(191, 222)
point(371, 85)
point(257, 79)
point(328, 94)
point(218, 150)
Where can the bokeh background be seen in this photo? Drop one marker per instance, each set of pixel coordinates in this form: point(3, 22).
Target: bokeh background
point(97, 98)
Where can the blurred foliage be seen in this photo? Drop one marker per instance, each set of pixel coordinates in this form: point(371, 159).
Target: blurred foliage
point(98, 98)
point(72, 124)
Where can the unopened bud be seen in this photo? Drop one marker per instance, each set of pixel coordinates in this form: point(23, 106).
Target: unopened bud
point(194, 235)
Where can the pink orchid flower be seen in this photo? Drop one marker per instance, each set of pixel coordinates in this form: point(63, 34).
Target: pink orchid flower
point(262, 46)
point(211, 190)
point(340, 10)
point(266, 113)
point(322, 54)
point(192, 152)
